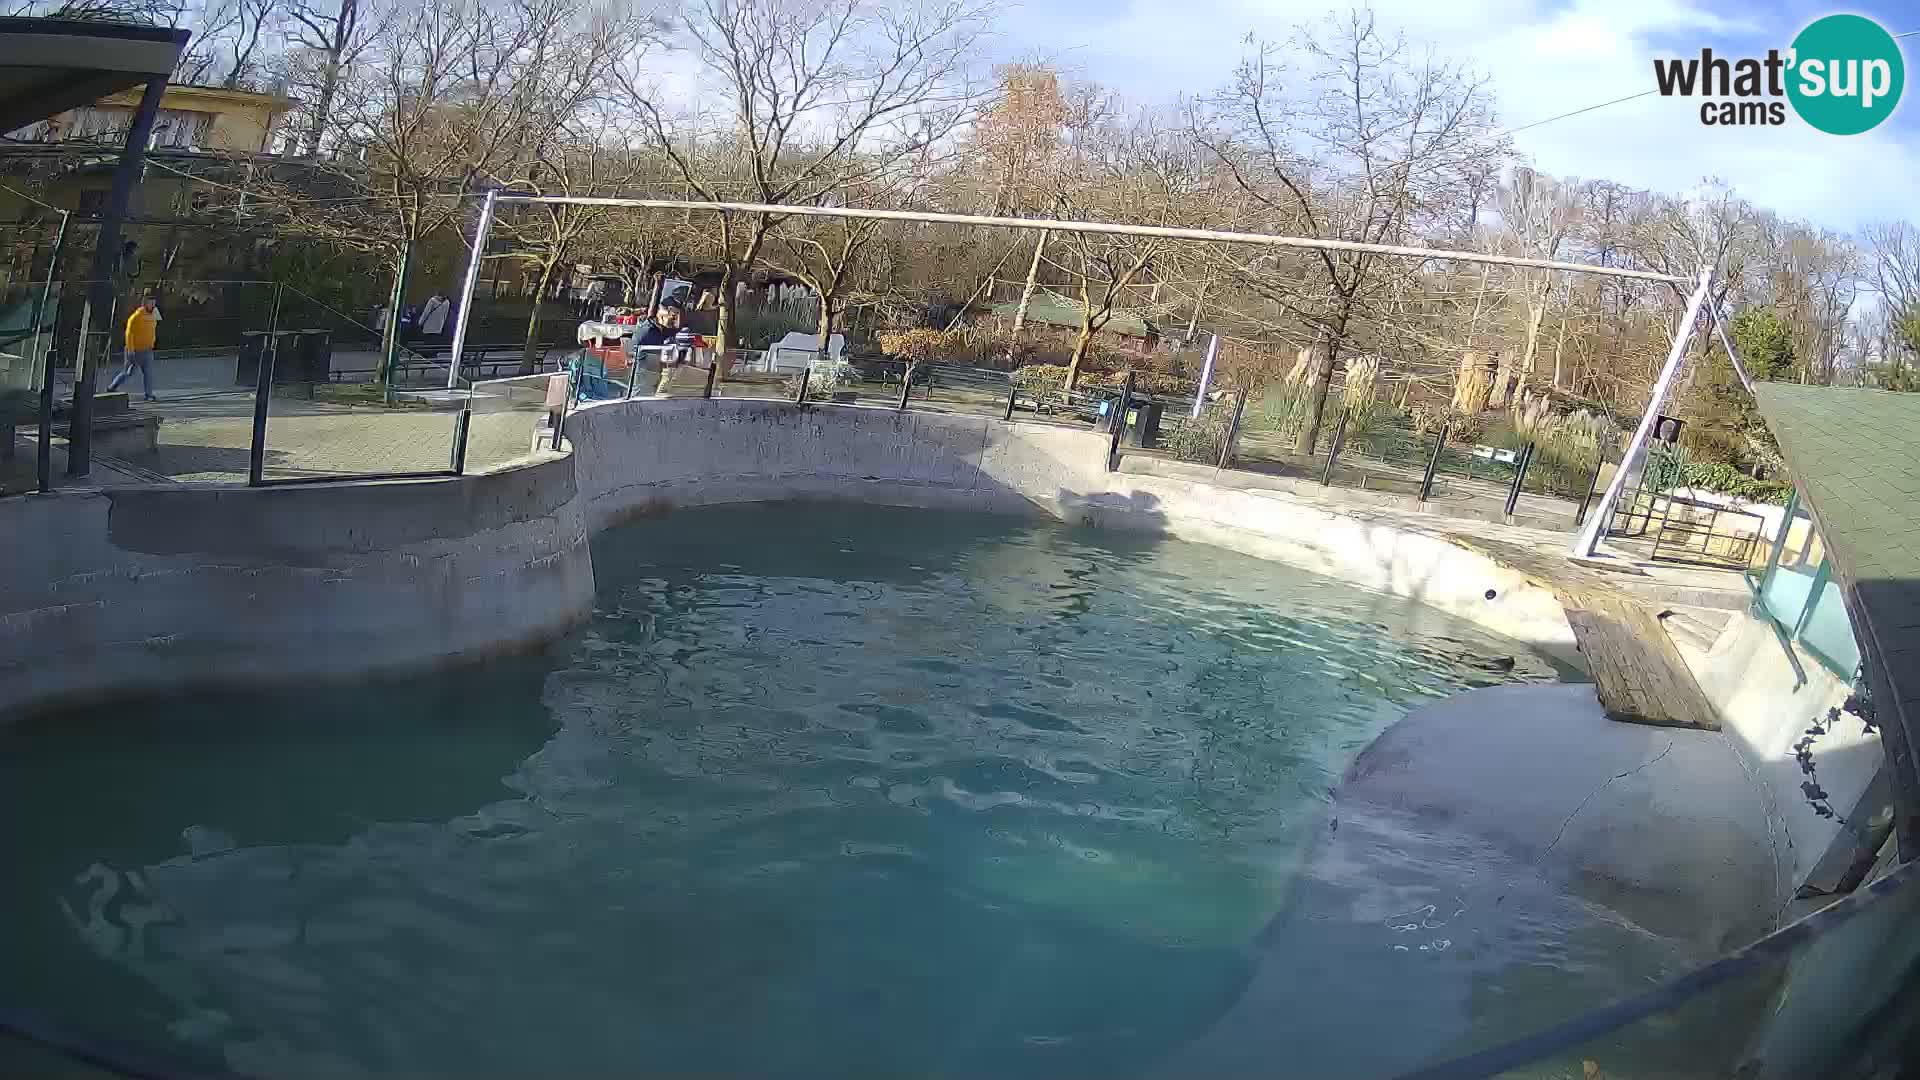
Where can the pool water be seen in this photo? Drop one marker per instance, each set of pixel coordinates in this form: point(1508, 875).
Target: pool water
point(819, 791)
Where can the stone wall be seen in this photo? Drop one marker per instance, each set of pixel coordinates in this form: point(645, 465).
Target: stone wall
point(140, 589)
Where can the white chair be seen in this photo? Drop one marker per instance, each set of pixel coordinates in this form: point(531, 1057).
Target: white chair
point(796, 351)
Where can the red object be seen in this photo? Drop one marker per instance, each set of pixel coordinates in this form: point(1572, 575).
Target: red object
point(699, 341)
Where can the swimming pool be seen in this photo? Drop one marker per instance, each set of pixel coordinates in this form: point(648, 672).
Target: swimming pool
point(819, 791)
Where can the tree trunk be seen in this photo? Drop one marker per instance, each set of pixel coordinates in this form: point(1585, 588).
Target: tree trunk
point(533, 316)
point(1536, 313)
point(1319, 381)
point(827, 313)
point(1026, 292)
point(1559, 349)
point(323, 104)
point(1080, 346)
point(390, 333)
point(1502, 382)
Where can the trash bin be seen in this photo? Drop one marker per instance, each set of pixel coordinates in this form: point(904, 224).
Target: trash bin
point(246, 370)
point(314, 349)
point(1146, 424)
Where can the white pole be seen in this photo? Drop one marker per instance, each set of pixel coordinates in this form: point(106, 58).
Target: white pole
point(1104, 227)
point(480, 232)
point(1588, 541)
point(1206, 376)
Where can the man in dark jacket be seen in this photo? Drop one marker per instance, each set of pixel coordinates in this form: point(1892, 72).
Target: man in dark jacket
point(643, 345)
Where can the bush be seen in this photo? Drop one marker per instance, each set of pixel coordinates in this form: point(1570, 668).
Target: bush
point(1724, 479)
point(758, 326)
point(1040, 378)
point(1199, 440)
point(1146, 382)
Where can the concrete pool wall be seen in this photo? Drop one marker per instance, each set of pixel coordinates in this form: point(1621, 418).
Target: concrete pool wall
point(639, 457)
point(158, 588)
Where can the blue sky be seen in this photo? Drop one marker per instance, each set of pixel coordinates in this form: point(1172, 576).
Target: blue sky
point(1544, 57)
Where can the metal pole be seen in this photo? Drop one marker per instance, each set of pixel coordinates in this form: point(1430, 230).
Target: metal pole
point(480, 231)
point(1780, 540)
point(106, 271)
point(45, 455)
point(1433, 463)
point(1588, 542)
point(461, 422)
point(1519, 477)
point(1096, 227)
point(1333, 451)
point(906, 384)
point(1119, 425)
point(1013, 391)
point(262, 391)
point(566, 406)
point(1233, 430)
point(800, 398)
point(1206, 376)
point(713, 368)
point(1600, 462)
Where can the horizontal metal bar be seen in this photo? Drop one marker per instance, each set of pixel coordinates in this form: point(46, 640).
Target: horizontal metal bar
point(1113, 227)
point(353, 478)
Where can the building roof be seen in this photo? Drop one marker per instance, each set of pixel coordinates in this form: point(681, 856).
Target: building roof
point(48, 66)
point(1059, 311)
point(1855, 456)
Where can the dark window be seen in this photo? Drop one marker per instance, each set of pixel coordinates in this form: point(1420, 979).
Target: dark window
point(93, 202)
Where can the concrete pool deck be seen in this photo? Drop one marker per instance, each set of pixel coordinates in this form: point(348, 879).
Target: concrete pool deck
point(166, 587)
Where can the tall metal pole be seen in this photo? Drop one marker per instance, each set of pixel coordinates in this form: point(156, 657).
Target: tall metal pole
point(480, 231)
point(1206, 376)
point(1588, 542)
point(44, 463)
point(106, 269)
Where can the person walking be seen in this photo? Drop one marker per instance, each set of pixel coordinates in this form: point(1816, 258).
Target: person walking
point(143, 328)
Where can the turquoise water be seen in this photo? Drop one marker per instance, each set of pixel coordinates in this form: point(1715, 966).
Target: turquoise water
point(818, 792)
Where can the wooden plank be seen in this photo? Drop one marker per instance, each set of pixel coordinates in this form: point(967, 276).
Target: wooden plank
point(1639, 673)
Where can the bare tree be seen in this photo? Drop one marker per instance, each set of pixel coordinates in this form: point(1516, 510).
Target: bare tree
point(1379, 149)
point(1537, 214)
point(328, 36)
point(821, 95)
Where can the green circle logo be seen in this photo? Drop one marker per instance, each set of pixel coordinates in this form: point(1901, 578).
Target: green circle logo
point(1846, 74)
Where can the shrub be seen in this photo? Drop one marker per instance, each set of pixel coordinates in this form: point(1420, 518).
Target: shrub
point(1199, 440)
point(1146, 382)
point(1726, 480)
point(920, 344)
point(1041, 378)
point(758, 326)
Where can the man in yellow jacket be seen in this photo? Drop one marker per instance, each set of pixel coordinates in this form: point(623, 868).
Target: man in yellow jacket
point(143, 326)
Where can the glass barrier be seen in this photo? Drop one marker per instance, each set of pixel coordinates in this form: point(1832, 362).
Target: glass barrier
point(512, 419)
point(29, 315)
point(1836, 994)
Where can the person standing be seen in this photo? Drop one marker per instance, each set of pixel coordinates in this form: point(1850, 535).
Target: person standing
point(646, 346)
point(433, 317)
point(143, 328)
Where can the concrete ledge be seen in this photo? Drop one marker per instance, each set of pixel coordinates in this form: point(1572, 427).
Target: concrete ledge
point(136, 590)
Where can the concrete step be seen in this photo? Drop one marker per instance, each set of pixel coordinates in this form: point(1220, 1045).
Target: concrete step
point(1695, 628)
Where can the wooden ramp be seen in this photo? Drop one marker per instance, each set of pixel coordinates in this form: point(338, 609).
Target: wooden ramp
point(1639, 672)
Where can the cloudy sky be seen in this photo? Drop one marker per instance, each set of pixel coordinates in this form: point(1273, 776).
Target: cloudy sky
point(1544, 57)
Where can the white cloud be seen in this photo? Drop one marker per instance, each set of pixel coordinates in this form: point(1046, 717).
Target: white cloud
point(1544, 59)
